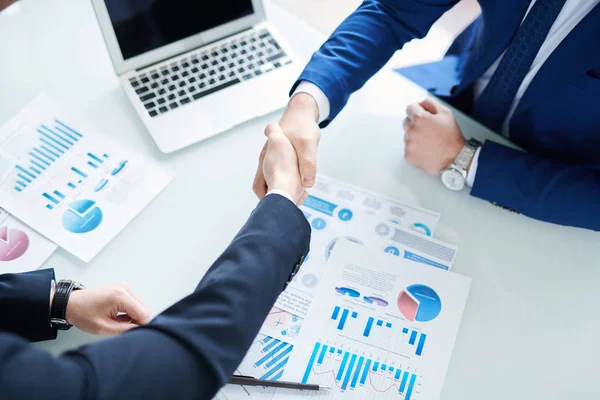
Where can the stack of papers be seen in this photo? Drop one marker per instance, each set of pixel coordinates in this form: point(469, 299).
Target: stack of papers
point(374, 311)
point(71, 185)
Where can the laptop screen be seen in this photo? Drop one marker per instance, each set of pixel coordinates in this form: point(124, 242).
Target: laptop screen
point(144, 25)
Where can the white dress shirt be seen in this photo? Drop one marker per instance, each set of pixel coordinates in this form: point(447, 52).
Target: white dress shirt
point(571, 14)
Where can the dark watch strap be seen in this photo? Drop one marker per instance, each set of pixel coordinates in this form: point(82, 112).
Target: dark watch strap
point(58, 310)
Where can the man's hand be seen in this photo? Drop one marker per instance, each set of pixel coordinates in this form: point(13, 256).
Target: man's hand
point(108, 310)
point(299, 124)
point(280, 164)
point(433, 138)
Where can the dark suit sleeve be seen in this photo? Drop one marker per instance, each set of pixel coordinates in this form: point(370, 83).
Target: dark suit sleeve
point(549, 190)
point(364, 42)
point(25, 304)
point(188, 351)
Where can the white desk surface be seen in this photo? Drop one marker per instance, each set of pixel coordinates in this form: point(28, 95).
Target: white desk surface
point(530, 328)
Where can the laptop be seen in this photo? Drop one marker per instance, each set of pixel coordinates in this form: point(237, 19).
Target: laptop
point(193, 69)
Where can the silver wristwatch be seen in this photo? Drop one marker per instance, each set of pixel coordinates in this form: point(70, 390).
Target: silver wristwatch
point(455, 176)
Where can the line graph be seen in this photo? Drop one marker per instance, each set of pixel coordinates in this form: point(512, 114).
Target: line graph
point(361, 373)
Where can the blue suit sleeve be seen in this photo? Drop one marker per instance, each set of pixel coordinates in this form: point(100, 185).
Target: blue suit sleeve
point(364, 42)
point(548, 190)
point(190, 350)
point(25, 304)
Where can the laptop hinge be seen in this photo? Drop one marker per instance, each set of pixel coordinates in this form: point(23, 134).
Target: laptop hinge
point(195, 48)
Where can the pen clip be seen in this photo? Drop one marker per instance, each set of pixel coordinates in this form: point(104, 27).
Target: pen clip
point(243, 376)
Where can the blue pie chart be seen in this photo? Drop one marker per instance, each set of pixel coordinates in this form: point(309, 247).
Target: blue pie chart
point(429, 305)
point(82, 216)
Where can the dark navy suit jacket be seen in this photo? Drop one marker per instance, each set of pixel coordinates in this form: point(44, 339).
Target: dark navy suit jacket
point(187, 352)
point(557, 121)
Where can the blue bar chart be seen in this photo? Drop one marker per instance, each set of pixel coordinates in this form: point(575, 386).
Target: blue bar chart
point(412, 335)
point(379, 323)
point(343, 317)
point(52, 142)
point(359, 325)
point(272, 359)
point(351, 371)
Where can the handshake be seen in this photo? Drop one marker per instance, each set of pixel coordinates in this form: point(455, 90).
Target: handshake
point(287, 162)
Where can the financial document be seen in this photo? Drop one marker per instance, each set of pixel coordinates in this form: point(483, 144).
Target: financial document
point(384, 328)
point(338, 211)
point(76, 187)
point(21, 248)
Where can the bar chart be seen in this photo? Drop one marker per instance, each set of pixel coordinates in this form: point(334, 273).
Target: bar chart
point(271, 359)
point(341, 315)
point(354, 371)
point(53, 142)
point(387, 333)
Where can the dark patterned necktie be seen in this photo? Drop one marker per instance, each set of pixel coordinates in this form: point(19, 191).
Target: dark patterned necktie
point(493, 105)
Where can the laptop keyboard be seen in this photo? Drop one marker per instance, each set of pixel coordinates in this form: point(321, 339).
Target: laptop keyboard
point(209, 70)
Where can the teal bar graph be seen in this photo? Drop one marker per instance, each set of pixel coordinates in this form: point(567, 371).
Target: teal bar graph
point(322, 355)
point(342, 366)
point(352, 371)
point(404, 379)
point(413, 337)
point(421, 344)
point(93, 157)
point(274, 357)
point(311, 362)
point(336, 312)
point(410, 387)
point(349, 371)
point(361, 360)
point(363, 378)
point(54, 139)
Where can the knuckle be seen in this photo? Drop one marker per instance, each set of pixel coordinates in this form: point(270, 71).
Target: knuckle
point(119, 291)
point(271, 126)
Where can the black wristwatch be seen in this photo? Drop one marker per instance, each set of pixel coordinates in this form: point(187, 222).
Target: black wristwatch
point(58, 311)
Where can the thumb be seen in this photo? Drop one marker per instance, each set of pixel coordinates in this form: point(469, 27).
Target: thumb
point(432, 105)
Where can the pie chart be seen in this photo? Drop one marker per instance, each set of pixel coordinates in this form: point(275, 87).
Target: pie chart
point(82, 216)
point(419, 303)
point(13, 243)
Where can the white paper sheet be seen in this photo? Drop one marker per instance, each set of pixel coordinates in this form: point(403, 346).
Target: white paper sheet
point(21, 248)
point(336, 211)
point(74, 186)
point(398, 345)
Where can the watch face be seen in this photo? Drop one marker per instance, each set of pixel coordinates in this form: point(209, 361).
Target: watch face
point(453, 179)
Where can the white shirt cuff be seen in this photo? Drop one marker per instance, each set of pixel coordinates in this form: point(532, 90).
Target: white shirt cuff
point(473, 169)
point(281, 193)
point(317, 94)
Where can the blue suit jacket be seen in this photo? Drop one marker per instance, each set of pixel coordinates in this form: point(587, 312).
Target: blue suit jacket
point(557, 120)
point(187, 352)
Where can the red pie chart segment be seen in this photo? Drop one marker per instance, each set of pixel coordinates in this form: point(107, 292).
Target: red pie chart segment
point(13, 243)
point(407, 305)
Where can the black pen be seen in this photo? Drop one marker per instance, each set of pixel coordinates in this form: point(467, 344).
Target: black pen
point(251, 381)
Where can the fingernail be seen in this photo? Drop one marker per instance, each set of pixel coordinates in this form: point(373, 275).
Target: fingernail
point(309, 180)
